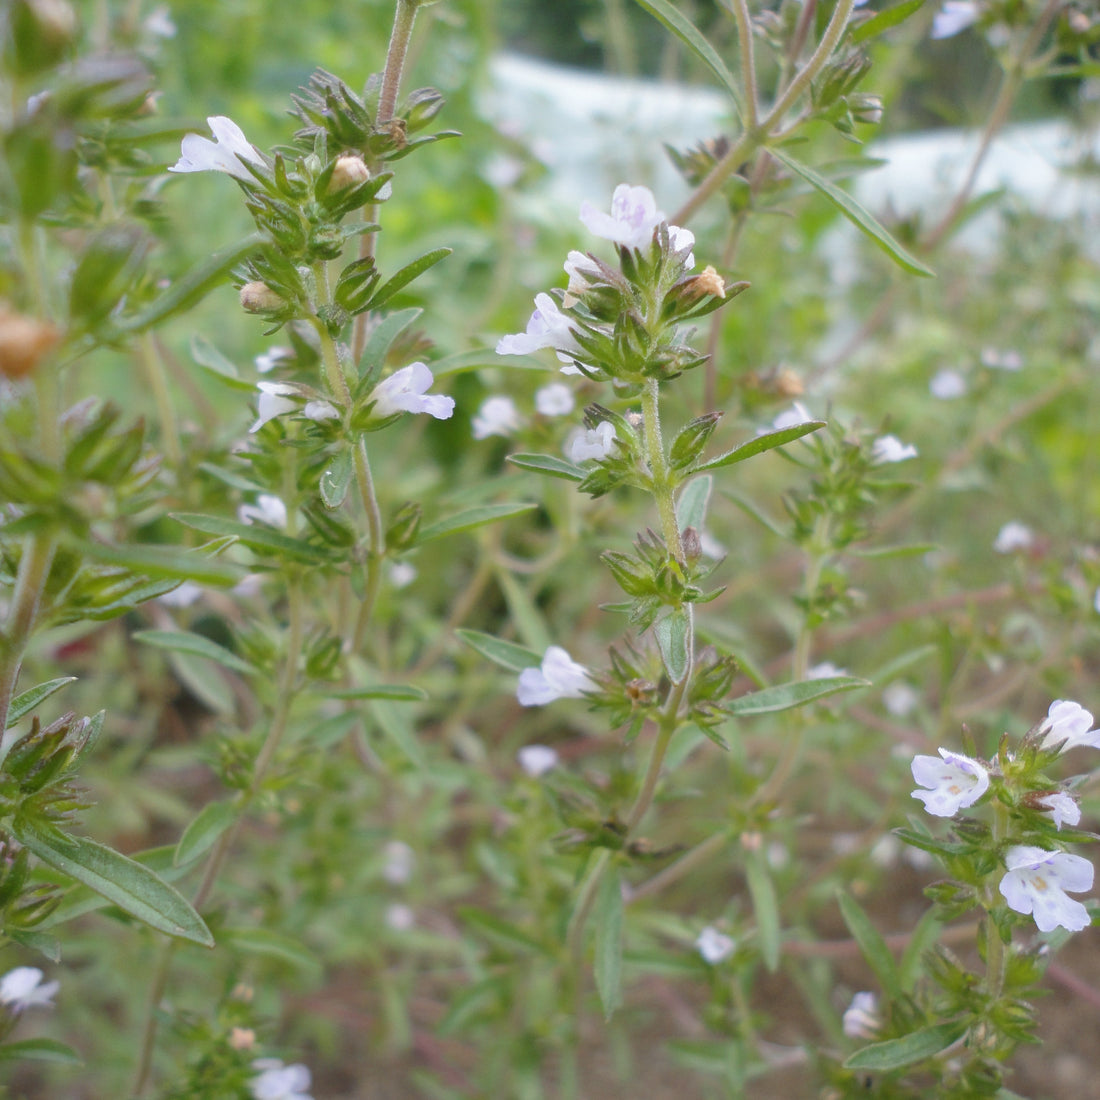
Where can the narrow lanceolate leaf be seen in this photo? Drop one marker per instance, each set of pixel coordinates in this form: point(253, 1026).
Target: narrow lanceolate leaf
point(184, 642)
point(395, 724)
point(199, 837)
point(765, 905)
point(210, 358)
point(471, 518)
point(399, 692)
point(608, 916)
point(382, 336)
point(335, 479)
point(691, 508)
point(253, 535)
point(26, 701)
point(908, 1050)
point(786, 696)
point(167, 562)
point(406, 276)
point(128, 884)
point(871, 944)
point(891, 17)
point(548, 464)
point(40, 1050)
point(766, 442)
point(515, 658)
point(271, 945)
point(673, 634)
point(665, 12)
point(862, 219)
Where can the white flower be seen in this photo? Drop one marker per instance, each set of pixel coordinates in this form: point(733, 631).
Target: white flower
point(1062, 807)
point(947, 384)
point(633, 218)
point(953, 782)
point(682, 240)
point(900, 699)
point(537, 760)
point(956, 16)
point(400, 861)
point(1010, 360)
point(497, 416)
point(593, 443)
point(274, 401)
point(713, 945)
point(580, 270)
point(273, 357)
point(406, 391)
point(861, 1019)
point(1068, 724)
point(1013, 536)
point(268, 509)
point(555, 399)
point(279, 1082)
point(1036, 882)
point(402, 574)
point(226, 154)
point(23, 988)
point(789, 418)
point(400, 918)
point(320, 410)
point(889, 448)
point(559, 677)
point(826, 670)
point(547, 327)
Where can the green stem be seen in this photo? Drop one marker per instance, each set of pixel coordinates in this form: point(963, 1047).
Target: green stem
point(376, 543)
point(740, 10)
point(404, 17)
point(658, 467)
point(996, 956)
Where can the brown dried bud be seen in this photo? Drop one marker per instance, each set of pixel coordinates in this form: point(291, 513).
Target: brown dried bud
point(350, 171)
point(258, 297)
point(693, 545)
point(242, 1038)
point(24, 342)
point(708, 281)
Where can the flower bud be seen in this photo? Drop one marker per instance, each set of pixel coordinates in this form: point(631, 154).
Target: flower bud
point(257, 297)
point(865, 107)
point(350, 171)
point(242, 1038)
point(24, 342)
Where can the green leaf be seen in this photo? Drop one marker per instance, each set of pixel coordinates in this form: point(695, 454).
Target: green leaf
point(396, 725)
point(270, 945)
point(856, 214)
point(500, 930)
point(884, 20)
point(207, 684)
point(132, 887)
point(608, 915)
point(40, 1050)
point(766, 442)
point(750, 507)
point(47, 946)
point(883, 553)
point(188, 289)
point(925, 936)
point(170, 562)
point(765, 905)
point(335, 479)
point(673, 634)
point(199, 837)
point(183, 641)
point(786, 696)
point(399, 692)
point(27, 700)
point(406, 276)
point(908, 1050)
point(471, 518)
point(548, 464)
point(382, 337)
point(691, 508)
point(515, 658)
point(529, 621)
point(665, 12)
point(255, 536)
point(871, 944)
point(209, 358)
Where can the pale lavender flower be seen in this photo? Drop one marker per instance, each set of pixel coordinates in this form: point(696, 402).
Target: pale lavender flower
point(1013, 536)
point(593, 443)
point(1061, 807)
point(547, 327)
point(158, 23)
point(400, 860)
point(273, 357)
point(861, 1019)
point(556, 399)
point(1068, 724)
point(714, 946)
point(995, 359)
point(23, 988)
point(226, 153)
point(947, 385)
point(953, 782)
point(402, 574)
point(633, 218)
point(497, 416)
point(559, 677)
point(400, 918)
point(406, 391)
point(1036, 882)
point(889, 448)
point(681, 240)
point(789, 418)
point(954, 17)
point(537, 760)
point(826, 670)
point(278, 1082)
point(581, 271)
point(320, 410)
point(900, 699)
point(268, 509)
point(274, 401)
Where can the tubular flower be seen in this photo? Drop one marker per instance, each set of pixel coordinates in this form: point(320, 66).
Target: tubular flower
point(547, 327)
point(1061, 807)
point(227, 153)
point(1036, 882)
point(406, 391)
point(559, 677)
point(593, 443)
point(23, 988)
point(278, 1082)
point(1067, 723)
point(953, 782)
point(497, 416)
point(633, 218)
